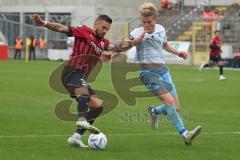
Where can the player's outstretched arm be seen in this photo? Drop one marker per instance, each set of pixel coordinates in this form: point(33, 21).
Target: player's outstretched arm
point(172, 50)
point(125, 45)
point(57, 27)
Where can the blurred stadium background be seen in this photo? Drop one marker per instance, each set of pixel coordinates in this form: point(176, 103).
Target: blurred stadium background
point(184, 20)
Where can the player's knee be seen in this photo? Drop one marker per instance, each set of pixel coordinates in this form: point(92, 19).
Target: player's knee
point(169, 101)
point(84, 98)
point(95, 102)
point(77, 92)
point(177, 108)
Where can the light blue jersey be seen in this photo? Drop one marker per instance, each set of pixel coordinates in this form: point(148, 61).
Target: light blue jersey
point(150, 50)
point(157, 79)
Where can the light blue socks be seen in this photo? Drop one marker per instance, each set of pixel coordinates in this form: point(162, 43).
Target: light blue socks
point(160, 110)
point(175, 118)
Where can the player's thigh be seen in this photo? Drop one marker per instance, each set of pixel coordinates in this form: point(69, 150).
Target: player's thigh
point(212, 61)
point(169, 98)
point(77, 92)
point(73, 81)
point(158, 81)
point(220, 62)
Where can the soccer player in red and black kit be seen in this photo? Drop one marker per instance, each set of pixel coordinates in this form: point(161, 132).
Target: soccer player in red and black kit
point(215, 55)
point(88, 47)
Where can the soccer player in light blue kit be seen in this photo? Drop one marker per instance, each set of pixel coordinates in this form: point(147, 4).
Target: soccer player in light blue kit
point(155, 74)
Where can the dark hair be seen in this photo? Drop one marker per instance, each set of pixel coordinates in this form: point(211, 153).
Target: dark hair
point(105, 18)
point(217, 31)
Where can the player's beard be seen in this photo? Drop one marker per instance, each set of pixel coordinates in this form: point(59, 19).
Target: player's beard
point(100, 35)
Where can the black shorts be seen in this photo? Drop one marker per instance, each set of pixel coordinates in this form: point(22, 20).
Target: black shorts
point(74, 78)
point(215, 59)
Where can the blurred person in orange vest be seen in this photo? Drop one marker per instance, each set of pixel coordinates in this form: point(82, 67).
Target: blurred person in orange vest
point(42, 44)
point(18, 47)
point(33, 44)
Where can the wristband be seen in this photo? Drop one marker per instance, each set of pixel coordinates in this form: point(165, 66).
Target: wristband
point(44, 23)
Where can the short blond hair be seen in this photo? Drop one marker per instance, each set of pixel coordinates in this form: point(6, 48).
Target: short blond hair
point(148, 9)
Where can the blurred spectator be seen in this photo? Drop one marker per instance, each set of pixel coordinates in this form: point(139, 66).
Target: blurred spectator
point(210, 15)
point(18, 47)
point(174, 4)
point(180, 4)
point(42, 45)
point(169, 4)
point(165, 4)
point(33, 44)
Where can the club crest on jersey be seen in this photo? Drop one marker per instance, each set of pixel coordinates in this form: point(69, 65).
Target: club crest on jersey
point(97, 49)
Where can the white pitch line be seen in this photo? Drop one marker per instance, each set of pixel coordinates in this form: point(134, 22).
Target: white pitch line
point(117, 134)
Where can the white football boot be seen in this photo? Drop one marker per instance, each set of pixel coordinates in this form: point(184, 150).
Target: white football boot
point(83, 124)
point(191, 135)
point(222, 78)
point(153, 118)
point(75, 140)
point(201, 67)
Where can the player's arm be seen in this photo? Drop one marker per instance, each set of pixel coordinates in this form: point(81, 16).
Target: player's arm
point(170, 49)
point(125, 45)
point(120, 46)
point(57, 27)
point(105, 57)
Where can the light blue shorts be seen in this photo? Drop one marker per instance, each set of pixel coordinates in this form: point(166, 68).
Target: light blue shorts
point(158, 79)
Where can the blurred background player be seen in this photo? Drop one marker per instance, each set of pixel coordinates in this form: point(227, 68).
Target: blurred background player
point(18, 47)
point(215, 55)
point(88, 48)
point(42, 45)
point(32, 48)
point(155, 74)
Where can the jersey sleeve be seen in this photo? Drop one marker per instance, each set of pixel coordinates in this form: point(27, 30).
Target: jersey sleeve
point(163, 34)
point(75, 32)
point(133, 34)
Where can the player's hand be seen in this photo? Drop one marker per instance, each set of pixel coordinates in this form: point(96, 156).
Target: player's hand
point(37, 19)
point(182, 54)
point(105, 57)
point(138, 39)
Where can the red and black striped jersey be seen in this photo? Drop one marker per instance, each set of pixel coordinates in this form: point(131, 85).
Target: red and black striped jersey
point(216, 51)
point(87, 48)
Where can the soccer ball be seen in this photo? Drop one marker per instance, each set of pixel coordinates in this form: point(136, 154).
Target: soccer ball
point(97, 141)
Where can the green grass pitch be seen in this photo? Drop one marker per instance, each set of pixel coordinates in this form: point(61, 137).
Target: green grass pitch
point(29, 128)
